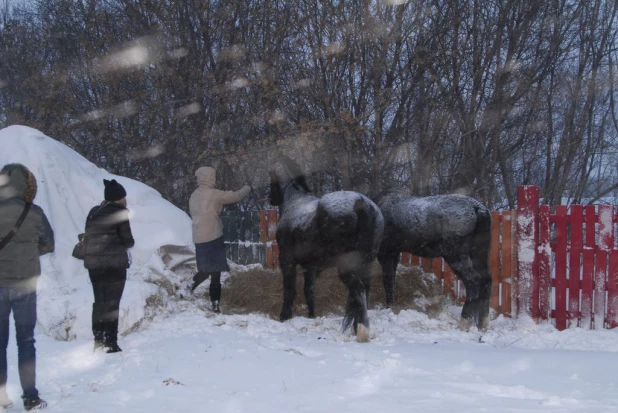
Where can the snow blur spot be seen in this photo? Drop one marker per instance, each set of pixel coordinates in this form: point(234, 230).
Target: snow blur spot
point(233, 52)
point(238, 83)
point(301, 84)
point(521, 364)
point(93, 115)
point(121, 110)
point(7, 192)
point(510, 392)
point(188, 110)
point(154, 151)
point(132, 56)
point(333, 49)
point(559, 401)
point(178, 53)
point(4, 179)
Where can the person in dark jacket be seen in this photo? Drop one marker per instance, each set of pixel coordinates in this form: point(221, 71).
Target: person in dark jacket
point(20, 269)
point(107, 238)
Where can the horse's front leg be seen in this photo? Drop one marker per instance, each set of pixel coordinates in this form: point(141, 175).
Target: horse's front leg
point(309, 289)
point(388, 263)
point(288, 271)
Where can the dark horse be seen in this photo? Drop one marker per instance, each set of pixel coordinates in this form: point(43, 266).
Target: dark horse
point(455, 227)
point(342, 229)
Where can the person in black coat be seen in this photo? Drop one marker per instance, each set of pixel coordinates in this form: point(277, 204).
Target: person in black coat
point(20, 269)
point(107, 240)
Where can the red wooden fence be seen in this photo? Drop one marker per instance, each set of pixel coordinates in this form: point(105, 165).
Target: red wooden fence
point(575, 266)
point(560, 266)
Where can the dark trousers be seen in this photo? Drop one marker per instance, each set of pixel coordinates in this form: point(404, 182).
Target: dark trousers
point(215, 287)
point(22, 301)
point(215, 284)
point(107, 286)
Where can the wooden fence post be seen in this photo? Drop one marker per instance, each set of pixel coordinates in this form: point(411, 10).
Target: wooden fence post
point(544, 254)
point(268, 230)
point(604, 246)
point(526, 284)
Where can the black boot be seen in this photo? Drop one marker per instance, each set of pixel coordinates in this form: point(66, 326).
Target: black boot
point(99, 334)
point(35, 404)
point(215, 291)
point(111, 337)
point(113, 348)
point(199, 278)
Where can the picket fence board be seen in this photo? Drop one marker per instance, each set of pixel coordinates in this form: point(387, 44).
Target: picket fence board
point(560, 274)
point(587, 284)
point(544, 250)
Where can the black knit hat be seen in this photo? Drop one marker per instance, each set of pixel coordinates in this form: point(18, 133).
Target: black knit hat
point(113, 190)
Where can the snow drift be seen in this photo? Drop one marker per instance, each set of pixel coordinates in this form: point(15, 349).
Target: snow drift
point(68, 186)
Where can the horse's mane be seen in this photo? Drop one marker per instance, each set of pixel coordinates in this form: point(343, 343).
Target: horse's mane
point(390, 192)
point(295, 172)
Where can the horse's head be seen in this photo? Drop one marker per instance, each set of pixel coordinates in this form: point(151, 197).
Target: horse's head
point(288, 175)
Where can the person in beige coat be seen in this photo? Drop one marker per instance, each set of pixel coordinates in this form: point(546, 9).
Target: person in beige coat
point(205, 207)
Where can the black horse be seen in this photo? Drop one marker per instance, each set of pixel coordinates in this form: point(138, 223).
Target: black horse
point(342, 229)
point(455, 227)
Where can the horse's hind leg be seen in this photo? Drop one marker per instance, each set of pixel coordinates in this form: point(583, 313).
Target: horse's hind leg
point(310, 276)
point(481, 266)
point(289, 290)
point(474, 273)
point(356, 307)
point(388, 263)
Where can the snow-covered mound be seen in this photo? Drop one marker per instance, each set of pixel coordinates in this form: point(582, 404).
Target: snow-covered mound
point(68, 187)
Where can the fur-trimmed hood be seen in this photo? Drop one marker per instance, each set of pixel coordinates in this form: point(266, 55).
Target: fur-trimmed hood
point(17, 181)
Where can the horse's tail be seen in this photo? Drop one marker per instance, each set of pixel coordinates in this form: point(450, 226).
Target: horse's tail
point(482, 229)
point(369, 222)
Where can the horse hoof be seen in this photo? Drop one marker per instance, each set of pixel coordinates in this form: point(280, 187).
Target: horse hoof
point(284, 317)
point(362, 334)
point(465, 324)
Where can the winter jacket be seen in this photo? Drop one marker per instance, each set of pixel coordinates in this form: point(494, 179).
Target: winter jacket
point(19, 259)
point(108, 237)
point(206, 203)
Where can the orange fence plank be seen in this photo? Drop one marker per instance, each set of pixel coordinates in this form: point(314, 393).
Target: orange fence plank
point(406, 258)
point(506, 271)
point(450, 282)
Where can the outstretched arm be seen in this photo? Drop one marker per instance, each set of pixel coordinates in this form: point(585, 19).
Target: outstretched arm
point(231, 197)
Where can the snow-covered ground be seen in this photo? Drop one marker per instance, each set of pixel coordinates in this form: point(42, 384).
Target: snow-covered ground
point(188, 360)
point(197, 362)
